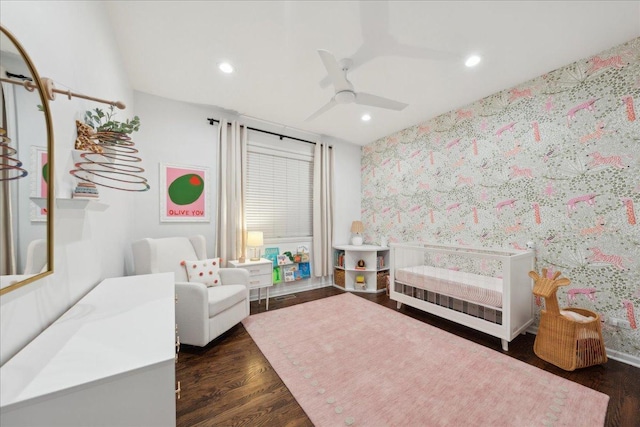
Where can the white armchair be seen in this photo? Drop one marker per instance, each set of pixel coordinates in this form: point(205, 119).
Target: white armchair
point(202, 313)
point(36, 257)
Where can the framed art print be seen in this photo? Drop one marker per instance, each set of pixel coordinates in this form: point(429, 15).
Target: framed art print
point(184, 193)
point(39, 181)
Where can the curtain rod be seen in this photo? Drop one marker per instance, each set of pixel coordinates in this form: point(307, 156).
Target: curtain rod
point(51, 90)
point(212, 121)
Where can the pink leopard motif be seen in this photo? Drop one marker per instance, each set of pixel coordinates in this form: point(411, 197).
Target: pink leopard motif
point(588, 105)
point(615, 260)
point(589, 199)
point(589, 292)
point(628, 305)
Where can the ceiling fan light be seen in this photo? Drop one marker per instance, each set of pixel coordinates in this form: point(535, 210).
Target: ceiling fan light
point(472, 61)
point(226, 68)
point(366, 117)
point(345, 97)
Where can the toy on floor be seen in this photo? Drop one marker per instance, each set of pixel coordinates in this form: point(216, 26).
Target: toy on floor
point(570, 338)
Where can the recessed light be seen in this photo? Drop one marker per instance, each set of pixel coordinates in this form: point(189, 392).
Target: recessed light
point(225, 67)
point(366, 117)
point(472, 61)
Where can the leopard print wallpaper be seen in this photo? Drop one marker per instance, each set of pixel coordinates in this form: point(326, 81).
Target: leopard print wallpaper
point(555, 161)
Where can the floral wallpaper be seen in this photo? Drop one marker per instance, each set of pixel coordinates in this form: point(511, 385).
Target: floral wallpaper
point(555, 160)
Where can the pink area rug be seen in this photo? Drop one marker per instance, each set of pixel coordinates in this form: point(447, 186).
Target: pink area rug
point(349, 361)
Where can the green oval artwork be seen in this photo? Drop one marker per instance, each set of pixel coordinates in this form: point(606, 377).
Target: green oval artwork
point(186, 189)
point(45, 172)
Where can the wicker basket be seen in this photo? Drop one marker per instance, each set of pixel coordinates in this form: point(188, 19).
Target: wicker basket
point(381, 279)
point(564, 342)
point(338, 277)
point(569, 344)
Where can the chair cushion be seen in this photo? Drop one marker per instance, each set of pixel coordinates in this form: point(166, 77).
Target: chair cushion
point(223, 297)
point(203, 271)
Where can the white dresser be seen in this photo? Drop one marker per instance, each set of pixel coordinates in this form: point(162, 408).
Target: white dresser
point(108, 361)
point(260, 274)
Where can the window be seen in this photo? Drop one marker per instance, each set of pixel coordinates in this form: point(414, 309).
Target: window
point(279, 195)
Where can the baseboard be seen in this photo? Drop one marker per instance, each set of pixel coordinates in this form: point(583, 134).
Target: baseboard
point(629, 359)
point(623, 357)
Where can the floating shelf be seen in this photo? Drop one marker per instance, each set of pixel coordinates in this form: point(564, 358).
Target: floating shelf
point(86, 204)
point(41, 202)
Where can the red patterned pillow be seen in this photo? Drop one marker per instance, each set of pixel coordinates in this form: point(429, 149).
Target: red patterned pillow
point(203, 271)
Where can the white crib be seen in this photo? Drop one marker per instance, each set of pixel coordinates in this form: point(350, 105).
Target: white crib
point(485, 289)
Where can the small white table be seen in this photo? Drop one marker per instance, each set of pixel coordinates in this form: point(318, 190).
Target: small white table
point(261, 275)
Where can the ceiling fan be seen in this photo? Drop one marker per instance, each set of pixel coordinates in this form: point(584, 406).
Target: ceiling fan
point(377, 40)
point(344, 92)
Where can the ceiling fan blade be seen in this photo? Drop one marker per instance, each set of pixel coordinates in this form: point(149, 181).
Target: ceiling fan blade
point(336, 74)
point(329, 105)
point(325, 82)
point(378, 101)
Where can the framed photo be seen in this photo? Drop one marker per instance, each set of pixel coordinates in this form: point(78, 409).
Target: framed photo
point(184, 193)
point(39, 181)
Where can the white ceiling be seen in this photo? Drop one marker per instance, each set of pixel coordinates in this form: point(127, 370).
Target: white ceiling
point(172, 48)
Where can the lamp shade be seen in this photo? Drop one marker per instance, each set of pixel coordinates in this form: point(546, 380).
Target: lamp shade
point(357, 227)
point(255, 238)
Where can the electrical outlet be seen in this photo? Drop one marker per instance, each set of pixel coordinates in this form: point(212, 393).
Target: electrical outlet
point(620, 323)
point(624, 324)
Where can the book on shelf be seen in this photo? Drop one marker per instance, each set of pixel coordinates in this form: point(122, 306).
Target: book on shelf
point(305, 270)
point(85, 196)
point(291, 274)
point(283, 260)
point(85, 190)
point(277, 277)
point(272, 254)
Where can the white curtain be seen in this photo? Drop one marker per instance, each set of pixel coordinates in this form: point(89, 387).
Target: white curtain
point(322, 210)
point(8, 264)
point(232, 178)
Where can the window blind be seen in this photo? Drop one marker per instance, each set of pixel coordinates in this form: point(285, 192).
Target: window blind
point(279, 192)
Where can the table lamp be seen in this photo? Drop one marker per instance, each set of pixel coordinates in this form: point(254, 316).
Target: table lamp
point(255, 240)
point(357, 228)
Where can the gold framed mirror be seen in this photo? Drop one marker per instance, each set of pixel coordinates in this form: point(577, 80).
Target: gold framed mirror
point(26, 170)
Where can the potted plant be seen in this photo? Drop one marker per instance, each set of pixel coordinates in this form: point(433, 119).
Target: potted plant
point(104, 122)
point(100, 128)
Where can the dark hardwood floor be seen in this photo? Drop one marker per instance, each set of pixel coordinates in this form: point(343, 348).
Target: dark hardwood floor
point(230, 383)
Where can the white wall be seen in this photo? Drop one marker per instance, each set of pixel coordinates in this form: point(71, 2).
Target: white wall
point(171, 132)
point(347, 190)
point(178, 133)
point(72, 43)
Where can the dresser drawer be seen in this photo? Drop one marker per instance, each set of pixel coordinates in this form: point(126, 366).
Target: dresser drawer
point(260, 280)
point(260, 269)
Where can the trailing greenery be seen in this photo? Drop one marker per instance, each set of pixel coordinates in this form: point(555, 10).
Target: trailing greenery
point(104, 122)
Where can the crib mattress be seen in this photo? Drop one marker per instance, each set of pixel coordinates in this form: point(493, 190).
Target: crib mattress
point(470, 287)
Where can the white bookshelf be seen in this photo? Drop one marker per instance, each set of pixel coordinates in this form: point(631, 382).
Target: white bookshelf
point(370, 254)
